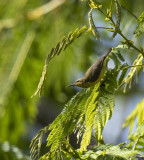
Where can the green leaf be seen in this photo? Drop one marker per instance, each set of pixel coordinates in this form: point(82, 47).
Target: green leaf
point(140, 28)
point(130, 77)
point(88, 110)
point(118, 17)
point(107, 152)
point(137, 138)
point(138, 113)
point(92, 26)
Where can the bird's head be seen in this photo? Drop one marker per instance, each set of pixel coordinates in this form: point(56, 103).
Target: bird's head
point(78, 83)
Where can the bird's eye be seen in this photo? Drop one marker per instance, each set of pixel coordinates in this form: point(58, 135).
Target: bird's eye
point(78, 81)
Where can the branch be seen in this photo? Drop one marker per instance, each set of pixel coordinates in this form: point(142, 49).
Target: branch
point(122, 35)
point(131, 43)
point(134, 66)
point(129, 12)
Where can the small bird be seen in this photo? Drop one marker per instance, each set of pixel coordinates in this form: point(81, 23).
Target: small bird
point(94, 74)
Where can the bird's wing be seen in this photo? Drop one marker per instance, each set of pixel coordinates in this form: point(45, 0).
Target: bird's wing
point(94, 71)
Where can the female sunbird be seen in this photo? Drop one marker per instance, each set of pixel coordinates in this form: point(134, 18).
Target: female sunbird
point(94, 74)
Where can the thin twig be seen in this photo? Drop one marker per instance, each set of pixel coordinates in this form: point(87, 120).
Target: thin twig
point(131, 43)
point(111, 19)
point(129, 12)
point(134, 66)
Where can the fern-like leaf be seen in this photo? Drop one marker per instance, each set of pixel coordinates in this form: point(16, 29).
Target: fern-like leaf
point(123, 46)
point(36, 143)
point(140, 28)
point(130, 77)
point(92, 26)
point(89, 109)
point(137, 138)
point(118, 17)
point(108, 152)
point(105, 104)
point(100, 107)
point(138, 113)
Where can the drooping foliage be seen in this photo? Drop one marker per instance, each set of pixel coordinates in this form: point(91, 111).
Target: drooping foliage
point(108, 152)
point(129, 79)
point(28, 29)
point(137, 138)
point(137, 113)
point(89, 109)
point(140, 28)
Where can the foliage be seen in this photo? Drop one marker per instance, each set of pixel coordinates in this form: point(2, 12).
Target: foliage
point(129, 79)
point(92, 26)
point(137, 138)
point(140, 28)
point(28, 29)
point(8, 152)
point(107, 152)
point(138, 113)
point(88, 111)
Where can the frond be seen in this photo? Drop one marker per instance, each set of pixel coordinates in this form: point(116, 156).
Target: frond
point(68, 119)
point(137, 138)
point(118, 17)
point(85, 103)
point(89, 109)
point(92, 26)
point(128, 81)
point(140, 28)
point(100, 108)
point(66, 41)
point(107, 152)
point(36, 143)
point(118, 59)
point(105, 104)
point(123, 46)
point(138, 113)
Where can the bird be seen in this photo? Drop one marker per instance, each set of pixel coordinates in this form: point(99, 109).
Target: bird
point(94, 74)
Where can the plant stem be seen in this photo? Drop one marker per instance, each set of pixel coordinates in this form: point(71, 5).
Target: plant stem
point(104, 27)
point(130, 12)
point(131, 43)
point(106, 16)
point(111, 19)
point(134, 66)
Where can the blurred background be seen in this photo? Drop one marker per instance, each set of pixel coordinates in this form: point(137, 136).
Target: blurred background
point(28, 31)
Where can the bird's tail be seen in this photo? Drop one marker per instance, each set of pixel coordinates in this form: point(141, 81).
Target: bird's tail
point(107, 53)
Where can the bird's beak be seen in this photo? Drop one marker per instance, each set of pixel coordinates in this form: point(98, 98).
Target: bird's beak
point(71, 85)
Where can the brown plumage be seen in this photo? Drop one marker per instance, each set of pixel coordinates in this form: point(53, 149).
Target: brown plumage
point(94, 74)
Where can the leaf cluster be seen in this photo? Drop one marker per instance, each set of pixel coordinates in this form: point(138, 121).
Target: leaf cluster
point(140, 28)
point(89, 109)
